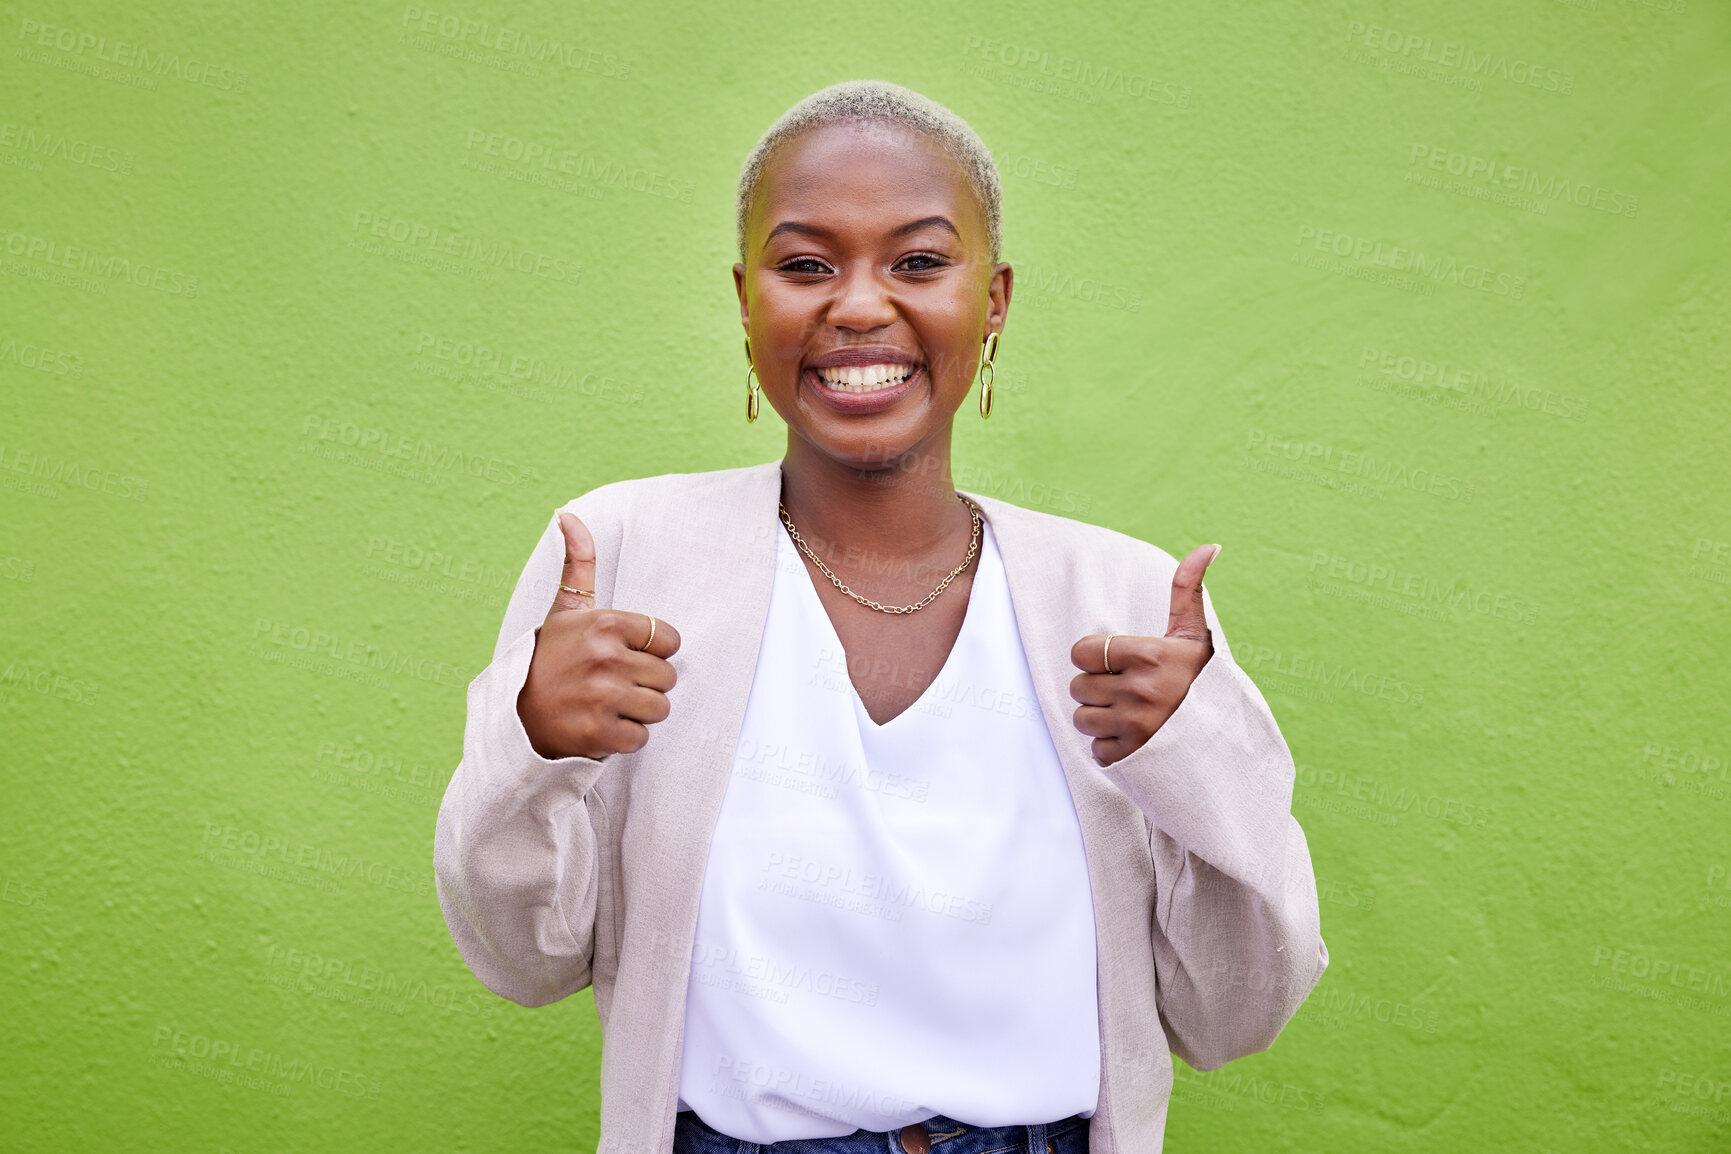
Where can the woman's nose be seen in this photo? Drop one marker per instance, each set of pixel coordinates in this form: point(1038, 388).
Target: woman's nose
point(862, 301)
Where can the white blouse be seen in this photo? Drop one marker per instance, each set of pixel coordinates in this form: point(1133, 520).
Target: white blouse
point(896, 920)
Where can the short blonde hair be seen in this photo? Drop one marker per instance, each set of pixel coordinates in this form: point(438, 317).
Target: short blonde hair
point(856, 101)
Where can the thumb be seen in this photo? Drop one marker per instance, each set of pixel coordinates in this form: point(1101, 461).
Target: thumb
point(579, 569)
point(1187, 618)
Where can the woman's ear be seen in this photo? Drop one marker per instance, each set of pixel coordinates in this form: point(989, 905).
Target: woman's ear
point(998, 291)
point(739, 287)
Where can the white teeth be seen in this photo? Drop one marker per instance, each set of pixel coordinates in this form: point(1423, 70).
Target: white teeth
point(865, 379)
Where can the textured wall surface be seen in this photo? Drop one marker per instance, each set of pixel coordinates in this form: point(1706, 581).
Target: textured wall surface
point(311, 313)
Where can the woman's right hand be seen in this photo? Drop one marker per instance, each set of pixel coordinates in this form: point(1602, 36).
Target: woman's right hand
point(599, 677)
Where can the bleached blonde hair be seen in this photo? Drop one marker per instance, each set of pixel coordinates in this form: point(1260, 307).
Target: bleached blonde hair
point(865, 101)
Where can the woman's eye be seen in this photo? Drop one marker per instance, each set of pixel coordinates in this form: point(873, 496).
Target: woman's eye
point(922, 262)
point(804, 264)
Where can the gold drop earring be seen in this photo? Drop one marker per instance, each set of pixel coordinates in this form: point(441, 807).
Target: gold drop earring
point(987, 373)
point(750, 385)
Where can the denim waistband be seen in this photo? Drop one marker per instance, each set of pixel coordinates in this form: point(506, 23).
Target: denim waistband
point(946, 1135)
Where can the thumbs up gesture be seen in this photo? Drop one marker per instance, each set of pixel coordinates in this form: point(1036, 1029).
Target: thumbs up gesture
point(599, 677)
point(1128, 689)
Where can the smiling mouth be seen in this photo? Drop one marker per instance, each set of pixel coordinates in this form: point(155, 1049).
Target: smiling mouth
point(865, 378)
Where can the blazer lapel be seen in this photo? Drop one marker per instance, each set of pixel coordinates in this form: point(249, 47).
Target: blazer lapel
point(708, 570)
point(1056, 604)
point(711, 576)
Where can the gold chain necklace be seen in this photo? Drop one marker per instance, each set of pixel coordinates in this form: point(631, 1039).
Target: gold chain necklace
point(973, 548)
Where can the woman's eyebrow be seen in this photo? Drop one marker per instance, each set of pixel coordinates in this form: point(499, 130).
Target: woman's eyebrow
point(925, 221)
point(818, 230)
point(796, 226)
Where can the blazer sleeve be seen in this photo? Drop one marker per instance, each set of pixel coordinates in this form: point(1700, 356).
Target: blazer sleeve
point(514, 854)
point(1237, 935)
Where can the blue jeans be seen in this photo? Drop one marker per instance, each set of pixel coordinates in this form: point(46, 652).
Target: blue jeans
point(946, 1136)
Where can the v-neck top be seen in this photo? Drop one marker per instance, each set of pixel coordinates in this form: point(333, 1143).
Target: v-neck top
point(895, 919)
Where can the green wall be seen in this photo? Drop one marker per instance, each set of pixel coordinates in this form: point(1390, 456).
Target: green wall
point(310, 314)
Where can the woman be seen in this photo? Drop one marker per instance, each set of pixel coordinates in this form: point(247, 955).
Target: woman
point(863, 881)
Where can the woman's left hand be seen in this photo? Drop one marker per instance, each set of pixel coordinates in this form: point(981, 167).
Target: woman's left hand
point(1121, 708)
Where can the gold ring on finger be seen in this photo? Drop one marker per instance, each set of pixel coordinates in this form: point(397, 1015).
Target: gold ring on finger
point(579, 592)
point(651, 640)
point(1106, 653)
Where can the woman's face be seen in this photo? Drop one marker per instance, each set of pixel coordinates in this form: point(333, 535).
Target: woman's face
point(867, 288)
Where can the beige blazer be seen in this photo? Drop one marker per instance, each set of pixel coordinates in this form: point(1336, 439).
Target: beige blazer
point(555, 875)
